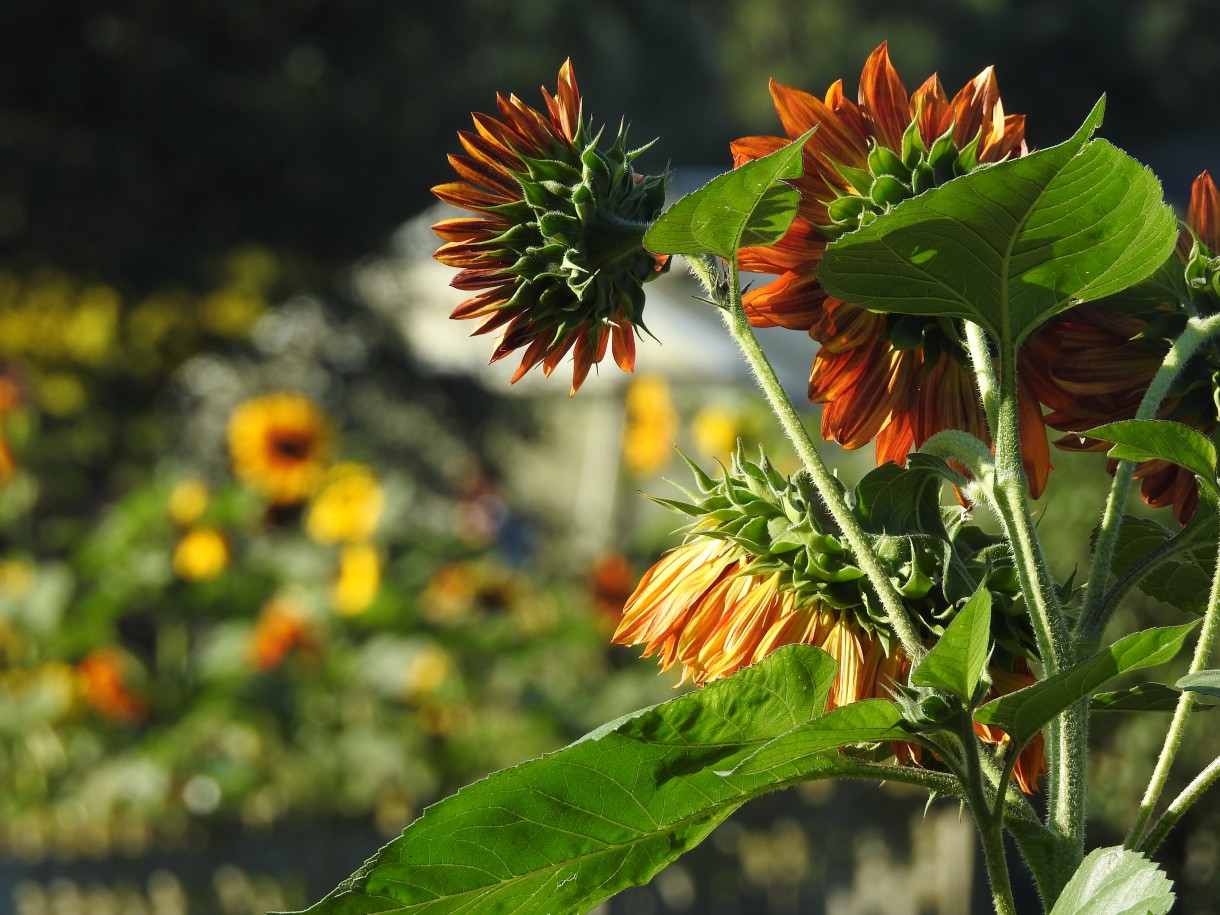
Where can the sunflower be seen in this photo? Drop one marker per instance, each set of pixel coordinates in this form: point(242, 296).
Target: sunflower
point(1092, 364)
point(280, 445)
point(555, 250)
point(757, 573)
point(358, 579)
point(893, 379)
point(201, 554)
point(347, 507)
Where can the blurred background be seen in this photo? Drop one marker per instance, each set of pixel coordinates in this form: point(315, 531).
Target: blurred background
point(281, 561)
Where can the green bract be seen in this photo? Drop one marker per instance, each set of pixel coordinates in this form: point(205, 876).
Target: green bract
point(577, 235)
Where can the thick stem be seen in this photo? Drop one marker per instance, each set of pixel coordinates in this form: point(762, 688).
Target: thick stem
point(1096, 611)
point(1067, 734)
point(823, 479)
point(1181, 713)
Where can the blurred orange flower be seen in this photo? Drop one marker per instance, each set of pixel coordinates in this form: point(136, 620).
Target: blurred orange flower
point(283, 627)
point(280, 445)
point(104, 675)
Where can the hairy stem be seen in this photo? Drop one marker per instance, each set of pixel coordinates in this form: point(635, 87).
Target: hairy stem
point(1179, 806)
point(1096, 610)
point(827, 486)
point(1181, 713)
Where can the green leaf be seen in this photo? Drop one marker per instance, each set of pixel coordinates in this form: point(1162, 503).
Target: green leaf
point(1182, 577)
point(1203, 682)
point(898, 501)
point(956, 661)
point(867, 721)
point(1160, 439)
point(1147, 697)
point(1010, 245)
point(1116, 881)
point(747, 206)
point(563, 832)
point(1024, 713)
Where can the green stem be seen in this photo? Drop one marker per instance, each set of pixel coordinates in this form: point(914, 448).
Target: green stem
point(1181, 713)
point(991, 827)
point(1095, 611)
point(1067, 734)
point(984, 371)
point(827, 486)
point(1179, 806)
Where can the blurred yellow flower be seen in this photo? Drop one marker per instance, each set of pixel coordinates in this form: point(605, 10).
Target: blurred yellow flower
point(650, 426)
point(347, 507)
point(427, 670)
point(280, 445)
point(358, 579)
point(715, 431)
point(16, 576)
point(188, 500)
point(202, 553)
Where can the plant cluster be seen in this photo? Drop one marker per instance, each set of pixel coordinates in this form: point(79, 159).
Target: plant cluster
point(966, 294)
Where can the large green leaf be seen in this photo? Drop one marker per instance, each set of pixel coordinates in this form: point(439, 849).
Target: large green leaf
point(563, 832)
point(1116, 881)
point(1160, 439)
point(897, 501)
point(956, 661)
point(1010, 245)
point(1182, 577)
point(1024, 713)
point(785, 757)
point(750, 205)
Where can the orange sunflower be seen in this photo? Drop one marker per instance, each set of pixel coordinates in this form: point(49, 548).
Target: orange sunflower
point(554, 252)
point(756, 573)
point(893, 379)
point(1093, 363)
point(280, 444)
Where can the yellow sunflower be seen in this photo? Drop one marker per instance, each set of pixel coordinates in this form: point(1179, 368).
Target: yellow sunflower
point(358, 579)
point(347, 507)
point(201, 554)
point(280, 445)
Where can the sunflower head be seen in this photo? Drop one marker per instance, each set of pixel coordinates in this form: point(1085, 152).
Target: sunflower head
point(556, 248)
point(280, 444)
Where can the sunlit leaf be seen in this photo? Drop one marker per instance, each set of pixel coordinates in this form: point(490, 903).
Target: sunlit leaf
point(1116, 881)
point(1025, 712)
point(956, 661)
point(868, 721)
point(565, 831)
point(748, 206)
point(1010, 245)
